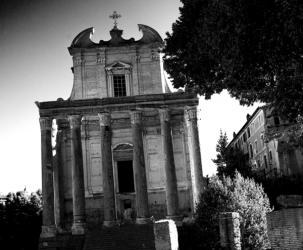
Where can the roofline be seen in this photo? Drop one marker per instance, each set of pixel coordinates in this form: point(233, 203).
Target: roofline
point(247, 122)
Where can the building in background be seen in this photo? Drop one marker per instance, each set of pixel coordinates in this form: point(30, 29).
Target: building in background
point(270, 143)
point(125, 145)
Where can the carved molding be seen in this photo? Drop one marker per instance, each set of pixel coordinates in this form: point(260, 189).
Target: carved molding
point(100, 59)
point(155, 55)
point(190, 113)
point(74, 121)
point(164, 115)
point(104, 119)
point(137, 58)
point(45, 123)
point(79, 61)
point(136, 117)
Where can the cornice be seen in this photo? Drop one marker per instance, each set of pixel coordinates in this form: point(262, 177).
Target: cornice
point(97, 105)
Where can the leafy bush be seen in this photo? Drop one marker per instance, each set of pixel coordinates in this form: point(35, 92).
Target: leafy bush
point(234, 195)
point(20, 221)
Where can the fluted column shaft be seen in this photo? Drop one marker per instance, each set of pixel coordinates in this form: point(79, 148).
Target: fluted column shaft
point(107, 170)
point(194, 153)
point(77, 176)
point(139, 168)
point(48, 217)
point(172, 201)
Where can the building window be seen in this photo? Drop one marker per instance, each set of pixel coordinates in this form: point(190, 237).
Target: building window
point(265, 161)
point(256, 146)
point(251, 151)
point(270, 156)
point(248, 132)
point(244, 137)
point(118, 78)
point(262, 140)
point(119, 85)
point(276, 120)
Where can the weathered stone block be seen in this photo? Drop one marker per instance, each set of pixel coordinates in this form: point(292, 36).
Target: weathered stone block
point(230, 234)
point(166, 235)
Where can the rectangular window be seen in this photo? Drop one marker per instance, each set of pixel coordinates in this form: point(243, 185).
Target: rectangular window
point(248, 132)
point(256, 146)
point(262, 141)
point(265, 161)
point(251, 151)
point(244, 137)
point(119, 85)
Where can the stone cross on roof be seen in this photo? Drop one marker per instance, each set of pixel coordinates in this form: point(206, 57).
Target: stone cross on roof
point(115, 16)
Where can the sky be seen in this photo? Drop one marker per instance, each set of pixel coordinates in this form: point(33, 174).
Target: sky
point(35, 66)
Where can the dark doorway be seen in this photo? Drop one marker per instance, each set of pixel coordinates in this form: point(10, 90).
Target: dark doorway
point(125, 176)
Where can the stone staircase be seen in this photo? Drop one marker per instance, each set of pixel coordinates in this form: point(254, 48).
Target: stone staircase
point(124, 237)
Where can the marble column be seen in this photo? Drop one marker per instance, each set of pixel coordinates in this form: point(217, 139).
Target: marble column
point(107, 171)
point(48, 216)
point(172, 201)
point(139, 169)
point(62, 126)
point(78, 193)
point(190, 117)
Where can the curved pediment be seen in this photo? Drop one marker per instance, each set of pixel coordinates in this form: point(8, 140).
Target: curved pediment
point(83, 39)
point(149, 35)
point(123, 147)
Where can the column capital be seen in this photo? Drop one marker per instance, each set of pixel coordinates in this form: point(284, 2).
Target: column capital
point(74, 121)
point(45, 123)
point(136, 117)
point(164, 114)
point(190, 113)
point(62, 123)
point(104, 119)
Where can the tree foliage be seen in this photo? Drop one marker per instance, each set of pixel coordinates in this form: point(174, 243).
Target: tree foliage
point(20, 221)
point(229, 160)
point(251, 48)
point(234, 195)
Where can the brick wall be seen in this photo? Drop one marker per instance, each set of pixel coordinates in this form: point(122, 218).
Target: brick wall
point(285, 229)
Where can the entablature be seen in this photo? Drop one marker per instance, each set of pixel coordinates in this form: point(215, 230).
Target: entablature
point(61, 108)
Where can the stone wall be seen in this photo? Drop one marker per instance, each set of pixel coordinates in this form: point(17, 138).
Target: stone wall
point(285, 229)
point(230, 234)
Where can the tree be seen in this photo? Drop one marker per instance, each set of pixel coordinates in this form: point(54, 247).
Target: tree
point(20, 221)
point(254, 49)
point(229, 160)
point(221, 149)
point(234, 195)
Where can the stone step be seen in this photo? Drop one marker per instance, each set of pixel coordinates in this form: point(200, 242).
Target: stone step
point(124, 237)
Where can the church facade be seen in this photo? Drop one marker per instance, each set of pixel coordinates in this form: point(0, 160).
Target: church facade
point(126, 146)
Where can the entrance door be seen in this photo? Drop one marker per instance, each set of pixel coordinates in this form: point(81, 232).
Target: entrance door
point(125, 176)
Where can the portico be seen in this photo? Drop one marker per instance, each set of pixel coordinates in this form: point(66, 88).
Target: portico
point(124, 143)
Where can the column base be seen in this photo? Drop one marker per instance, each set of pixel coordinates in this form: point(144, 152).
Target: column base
point(176, 218)
point(48, 231)
point(110, 223)
point(79, 228)
point(142, 221)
